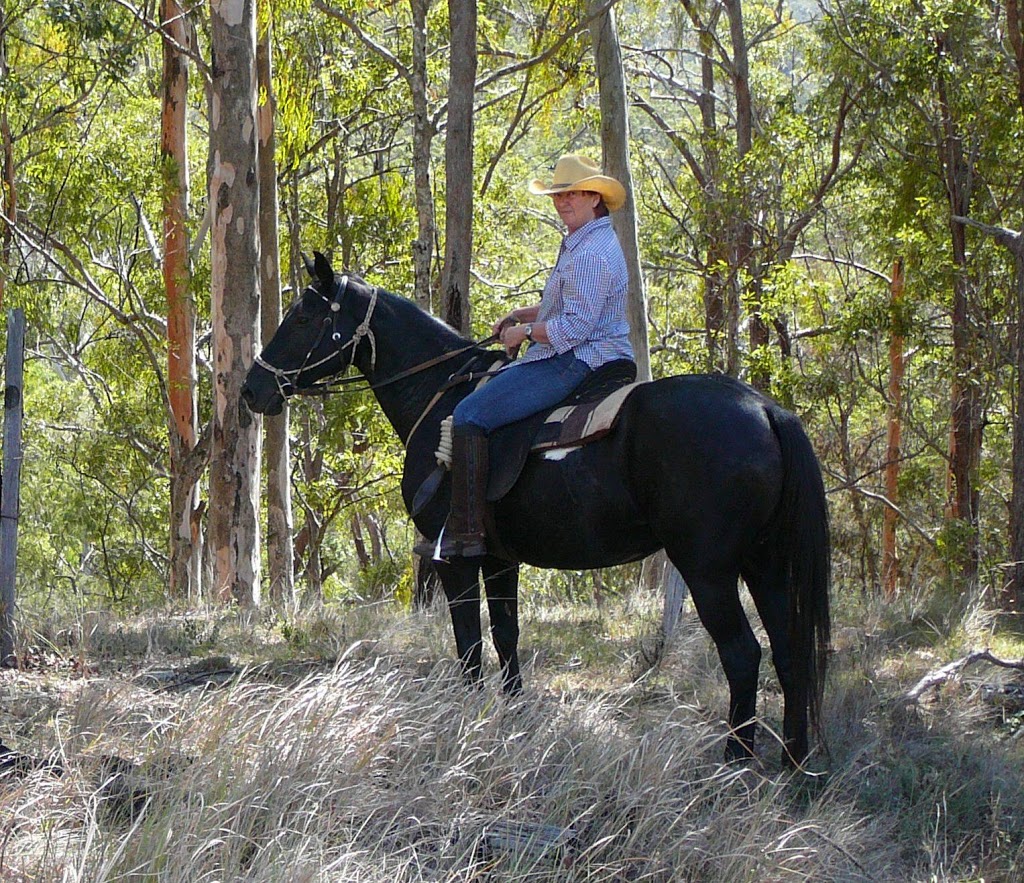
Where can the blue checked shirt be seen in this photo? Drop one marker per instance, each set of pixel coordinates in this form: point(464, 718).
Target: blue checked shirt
point(584, 301)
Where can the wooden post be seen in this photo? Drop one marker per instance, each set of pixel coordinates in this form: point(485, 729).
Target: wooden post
point(890, 559)
point(11, 483)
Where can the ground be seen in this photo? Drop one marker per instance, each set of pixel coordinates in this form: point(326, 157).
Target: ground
point(196, 747)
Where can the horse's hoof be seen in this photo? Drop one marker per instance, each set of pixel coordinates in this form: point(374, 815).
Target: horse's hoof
point(738, 751)
point(794, 758)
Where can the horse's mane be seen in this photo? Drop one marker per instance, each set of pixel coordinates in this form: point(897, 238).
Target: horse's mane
point(406, 309)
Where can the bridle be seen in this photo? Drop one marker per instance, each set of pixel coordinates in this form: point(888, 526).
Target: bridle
point(287, 379)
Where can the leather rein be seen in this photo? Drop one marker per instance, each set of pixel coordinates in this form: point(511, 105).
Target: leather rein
point(289, 377)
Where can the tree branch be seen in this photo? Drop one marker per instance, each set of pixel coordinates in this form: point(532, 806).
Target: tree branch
point(370, 44)
point(160, 28)
point(1004, 236)
point(677, 140)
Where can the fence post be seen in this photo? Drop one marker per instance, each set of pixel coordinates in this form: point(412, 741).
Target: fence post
point(10, 483)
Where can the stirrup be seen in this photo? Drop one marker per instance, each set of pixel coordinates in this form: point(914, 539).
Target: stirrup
point(464, 546)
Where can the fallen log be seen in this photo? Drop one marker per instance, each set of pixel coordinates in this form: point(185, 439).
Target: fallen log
point(529, 842)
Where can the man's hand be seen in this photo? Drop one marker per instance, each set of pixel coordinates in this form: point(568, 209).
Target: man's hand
point(512, 337)
point(504, 323)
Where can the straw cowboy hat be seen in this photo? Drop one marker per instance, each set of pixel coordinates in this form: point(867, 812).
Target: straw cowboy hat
point(579, 173)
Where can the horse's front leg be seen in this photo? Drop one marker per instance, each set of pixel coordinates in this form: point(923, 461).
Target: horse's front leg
point(462, 589)
point(501, 582)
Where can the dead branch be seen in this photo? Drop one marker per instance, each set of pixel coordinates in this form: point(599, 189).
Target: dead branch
point(954, 669)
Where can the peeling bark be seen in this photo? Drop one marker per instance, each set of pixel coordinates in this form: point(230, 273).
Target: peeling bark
point(235, 306)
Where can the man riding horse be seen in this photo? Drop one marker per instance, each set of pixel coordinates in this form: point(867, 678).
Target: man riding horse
point(579, 325)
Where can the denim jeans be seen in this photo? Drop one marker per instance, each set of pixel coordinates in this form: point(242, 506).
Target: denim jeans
point(521, 390)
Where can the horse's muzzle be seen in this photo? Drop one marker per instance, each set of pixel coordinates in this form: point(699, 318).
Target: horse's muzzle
point(261, 394)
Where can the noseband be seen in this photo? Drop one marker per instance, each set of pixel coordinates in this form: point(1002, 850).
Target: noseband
point(290, 378)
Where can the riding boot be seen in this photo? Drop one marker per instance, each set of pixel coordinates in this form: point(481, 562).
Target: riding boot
point(464, 531)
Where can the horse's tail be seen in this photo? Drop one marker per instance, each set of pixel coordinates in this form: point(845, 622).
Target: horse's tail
point(802, 532)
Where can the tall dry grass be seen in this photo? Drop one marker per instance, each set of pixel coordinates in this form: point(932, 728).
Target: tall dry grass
point(383, 766)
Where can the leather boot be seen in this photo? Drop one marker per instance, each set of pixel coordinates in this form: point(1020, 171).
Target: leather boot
point(464, 531)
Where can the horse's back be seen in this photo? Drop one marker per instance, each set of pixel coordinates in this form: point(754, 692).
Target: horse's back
point(701, 398)
point(692, 457)
point(703, 457)
point(716, 419)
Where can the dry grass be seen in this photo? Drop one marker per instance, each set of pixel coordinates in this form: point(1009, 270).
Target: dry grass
point(349, 750)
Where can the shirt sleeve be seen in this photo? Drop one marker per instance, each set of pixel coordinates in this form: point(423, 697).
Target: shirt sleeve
point(586, 285)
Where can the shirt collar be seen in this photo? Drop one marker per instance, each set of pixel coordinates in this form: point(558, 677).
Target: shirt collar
point(572, 240)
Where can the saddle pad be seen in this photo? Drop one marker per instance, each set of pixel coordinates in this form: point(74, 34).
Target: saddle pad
point(578, 424)
point(586, 415)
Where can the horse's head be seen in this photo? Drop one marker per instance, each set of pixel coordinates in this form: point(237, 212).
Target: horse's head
point(317, 338)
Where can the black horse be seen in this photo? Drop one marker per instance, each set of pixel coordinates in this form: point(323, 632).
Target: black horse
point(703, 466)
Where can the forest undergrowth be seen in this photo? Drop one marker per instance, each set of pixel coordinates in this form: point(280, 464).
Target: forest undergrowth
point(342, 745)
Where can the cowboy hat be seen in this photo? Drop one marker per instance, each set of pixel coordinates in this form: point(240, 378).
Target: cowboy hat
point(580, 173)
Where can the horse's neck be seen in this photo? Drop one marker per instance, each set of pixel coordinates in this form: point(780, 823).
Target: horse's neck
point(404, 338)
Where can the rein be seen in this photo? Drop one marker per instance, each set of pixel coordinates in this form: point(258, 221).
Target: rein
point(290, 377)
point(324, 388)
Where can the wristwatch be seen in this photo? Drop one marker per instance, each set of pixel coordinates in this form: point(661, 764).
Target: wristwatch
point(528, 331)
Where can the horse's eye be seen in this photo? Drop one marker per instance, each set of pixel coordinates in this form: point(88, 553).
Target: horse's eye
point(304, 310)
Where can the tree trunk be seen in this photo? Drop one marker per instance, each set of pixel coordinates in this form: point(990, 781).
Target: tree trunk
point(890, 558)
point(10, 486)
point(308, 541)
point(1014, 27)
point(1013, 592)
point(9, 202)
point(721, 306)
point(235, 300)
point(422, 134)
point(715, 227)
point(358, 540)
point(280, 557)
point(310, 462)
point(293, 213)
point(458, 151)
point(868, 559)
point(376, 536)
point(615, 147)
point(743, 233)
point(185, 544)
point(966, 416)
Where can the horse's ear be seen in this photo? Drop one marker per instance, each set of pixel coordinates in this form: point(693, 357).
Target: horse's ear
point(322, 268)
point(310, 267)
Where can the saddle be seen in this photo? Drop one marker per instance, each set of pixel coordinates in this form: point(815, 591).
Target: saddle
point(589, 413)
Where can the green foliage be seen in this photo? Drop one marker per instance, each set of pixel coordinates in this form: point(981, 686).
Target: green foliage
point(98, 31)
point(82, 100)
point(904, 794)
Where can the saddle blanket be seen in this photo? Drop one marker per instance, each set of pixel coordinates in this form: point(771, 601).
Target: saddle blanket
point(572, 425)
point(586, 416)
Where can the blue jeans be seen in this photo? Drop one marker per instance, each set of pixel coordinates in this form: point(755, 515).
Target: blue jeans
point(521, 390)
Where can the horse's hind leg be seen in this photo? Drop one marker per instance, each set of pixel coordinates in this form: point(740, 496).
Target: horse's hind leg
point(501, 583)
point(718, 605)
point(462, 589)
point(767, 588)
